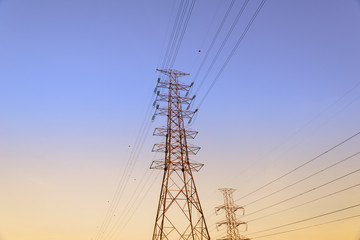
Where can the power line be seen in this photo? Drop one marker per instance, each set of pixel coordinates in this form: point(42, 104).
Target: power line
point(303, 204)
point(302, 165)
point(130, 164)
point(126, 217)
point(307, 219)
point(140, 202)
point(145, 125)
point(118, 192)
point(143, 129)
point(178, 33)
point(171, 39)
point(313, 159)
point(140, 140)
point(139, 143)
point(214, 40)
point(182, 33)
point(223, 42)
point(166, 33)
point(311, 226)
point(323, 110)
point(318, 115)
point(303, 193)
point(233, 50)
point(178, 29)
point(303, 179)
point(123, 183)
point(144, 177)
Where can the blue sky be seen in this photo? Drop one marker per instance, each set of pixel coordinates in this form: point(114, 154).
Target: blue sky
point(76, 78)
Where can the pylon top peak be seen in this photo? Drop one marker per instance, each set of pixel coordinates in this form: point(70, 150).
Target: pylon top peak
point(227, 189)
point(172, 72)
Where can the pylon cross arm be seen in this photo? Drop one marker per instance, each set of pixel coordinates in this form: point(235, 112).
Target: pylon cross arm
point(173, 72)
point(180, 86)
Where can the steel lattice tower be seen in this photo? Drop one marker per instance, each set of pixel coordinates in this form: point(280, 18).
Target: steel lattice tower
point(231, 221)
point(179, 214)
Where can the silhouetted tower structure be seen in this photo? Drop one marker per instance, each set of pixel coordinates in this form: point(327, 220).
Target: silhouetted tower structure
point(179, 214)
point(231, 221)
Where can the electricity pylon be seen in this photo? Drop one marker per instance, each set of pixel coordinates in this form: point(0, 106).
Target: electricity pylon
point(231, 221)
point(179, 214)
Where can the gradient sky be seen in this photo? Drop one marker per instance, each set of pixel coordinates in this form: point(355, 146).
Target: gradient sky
point(76, 77)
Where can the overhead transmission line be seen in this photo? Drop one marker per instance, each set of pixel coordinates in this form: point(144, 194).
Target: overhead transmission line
point(145, 125)
point(332, 104)
point(139, 141)
point(172, 62)
point(214, 39)
point(173, 42)
point(135, 209)
point(129, 166)
point(233, 25)
point(177, 26)
point(126, 207)
point(345, 94)
point(311, 226)
point(303, 179)
point(303, 193)
point(171, 39)
point(306, 219)
point(178, 32)
point(300, 166)
point(299, 205)
point(305, 203)
point(233, 50)
point(229, 56)
point(223, 42)
point(144, 177)
point(134, 206)
point(297, 168)
point(316, 116)
point(319, 114)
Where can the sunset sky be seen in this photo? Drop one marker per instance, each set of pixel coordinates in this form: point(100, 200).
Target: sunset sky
point(76, 82)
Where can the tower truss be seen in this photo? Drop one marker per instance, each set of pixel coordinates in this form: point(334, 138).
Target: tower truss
point(230, 220)
point(179, 213)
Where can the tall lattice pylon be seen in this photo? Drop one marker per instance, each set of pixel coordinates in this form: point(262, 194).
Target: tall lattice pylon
point(231, 221)
point(179, 214)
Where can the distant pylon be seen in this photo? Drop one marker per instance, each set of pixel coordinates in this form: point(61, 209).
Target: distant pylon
point(231, 221)
point(179, 214)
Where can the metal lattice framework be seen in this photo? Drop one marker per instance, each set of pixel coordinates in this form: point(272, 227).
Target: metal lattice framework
point(179, 214)
point(231, 221)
